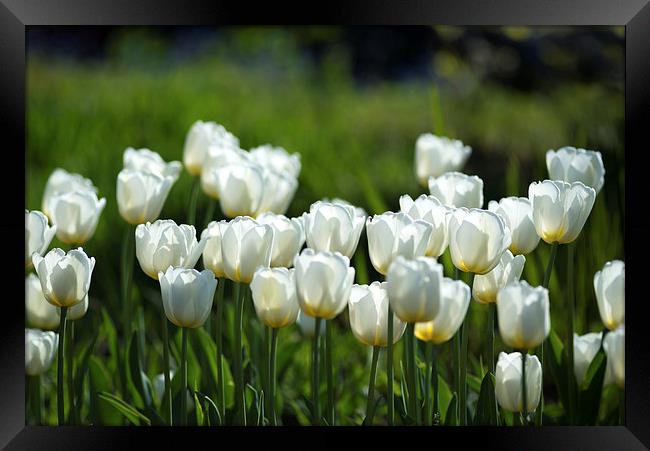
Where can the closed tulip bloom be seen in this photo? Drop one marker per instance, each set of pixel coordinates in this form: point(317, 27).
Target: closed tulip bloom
point(40, 348)
point(477, 239)
point(77, 311)
point(430, 210)
point(276, 158)
point(307, 325)
point(435, 155)
point(368, 307)
point(454, 302)
point(38, 235)
point(560, 209)
point(274, 296)
point(358, 211)
point(245, 245)
point(65, 278)
point(288, 238)
point(279, 189)
point(576, 165)
point(323, 282)
point(392, 234)
point(200, 137)
point(38, 312)
point(518, 215)
point(145, 160)
point(141, 195)
point(585, 348)
point(238, 186)
point(212, 258)
point(163, 243)
point(609, 284)
point(486, 287)
point(76, 214)
point(508, 382)
point(614, 347)
point(455, 189)
point(62, 181)
point(333, 227)
point(217, 158)
point(524, 315)
point(187, 295)
point(414, 288)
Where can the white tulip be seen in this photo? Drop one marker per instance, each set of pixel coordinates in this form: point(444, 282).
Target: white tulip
point(62, 181)
point(454, 302)
point(187, 295)
point(217, 158)
point(245, 245)
point(288, 237)
point(429, 209)
point(414, 288)
point(509, 269)
point(307, 325)
point(77, 311)
point(40, 348)
point(76, 214)
point(38, 235)
point(392, 234)
point(477, 239)
point(238, 186)
point(358, 211)
point(65, 278)
point(200, 137)
point(323, 282)
point(508, 382)
point(585, 348)
point(560, 209)
point(435, 155)
point(274, 296)
point(276, 158)
point(518, 215)
point(212, 258)
point(141, 195)
point(614, 347)
point(523, 314)
point(609, 284)
point(163, 243)
point(333, 227)
point(145, 160)
point(576, 165)
point(279, 189)
point(368, 309)
point(38, 312)
point(456, 189)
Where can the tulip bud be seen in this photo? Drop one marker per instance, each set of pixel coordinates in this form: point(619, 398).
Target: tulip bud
point(279, 189)
point(141, 195)
point(333, 227)
point(486, 287)
point(245, 245)
point(392, 234)
point(523, 314)
point(517, 213)
point(200, 137)
point(368, 309)
point(145, 160)
point(307, 325)
point(277, 159)
point(323, 282)
point(576, 165)
point(508, 382)
point(614, 347)
point(454, 302)
point(76, 214)
point(65, 278)
point(609, 284)
point(38, 235)
point(477, 239)
point(62, 181)
point(212, 258)
point(274, 296)
point(40, 348)
point(163, 243)
point(435, 155)
point(187, 295)
point(455, 189)
point(560, 209)
point(288, 238)
point(38, 312)
point(430, 210)
point(239, 187)
point(585, 348)
point(414, 288)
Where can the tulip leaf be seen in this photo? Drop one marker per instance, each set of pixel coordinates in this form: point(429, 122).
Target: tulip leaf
point(558, 365)
point(128, 411)
point(137, 387)
point(486, 406)
point(474, 383)
point(100, 412)
point(591, 389)
point(451, 419)
point(444, 396)
point(211, 411)
point(82, 370)
point(207, 354)
point(108, 328)
point(198, 411)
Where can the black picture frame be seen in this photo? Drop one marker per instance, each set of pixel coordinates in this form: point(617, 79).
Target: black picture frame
point(16, 15)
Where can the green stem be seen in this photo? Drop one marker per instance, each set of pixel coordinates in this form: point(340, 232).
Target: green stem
point(434, 376)
point(221, 391)
point(330, 372)
point(427, 387)
point(463, 362)
point(570, 327)
point(370, 411)
point(72, 417)
point(389, 369)
point(491, 315)
point(265, 371)
point(183, 412)
point(59, 370)
point(239, 383)
point(413, 398)
point(524, 400)
point(314, 369)
point(167, 409)
point(456, 355)
point(194, 198)
point(549, 266)
point(547, 281)
point(34, 383)
point(621, 407)
point(127, 307)
point(272, 374)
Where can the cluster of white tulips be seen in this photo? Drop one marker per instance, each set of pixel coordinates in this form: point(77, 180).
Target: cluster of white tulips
point(260, 251)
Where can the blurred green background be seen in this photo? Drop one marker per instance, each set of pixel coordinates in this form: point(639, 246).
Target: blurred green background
point(352, 102)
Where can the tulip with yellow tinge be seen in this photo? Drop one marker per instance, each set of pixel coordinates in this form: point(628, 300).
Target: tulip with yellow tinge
point(239, 186)
point(38, 235)
point(609, 285)
point(485, 287)
point(523, 314)
point(61, 181)
point(452, 308)
point(274, 296)
point(508, 382)
point(65, 277)
point(518, 215)
point(141, 195)
point(414, 288)
point(430, 210)
point(368, 311)
point(614, 347)
point(245, 245)
point(40, 348)
point(288, 237)
point(76, 214)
